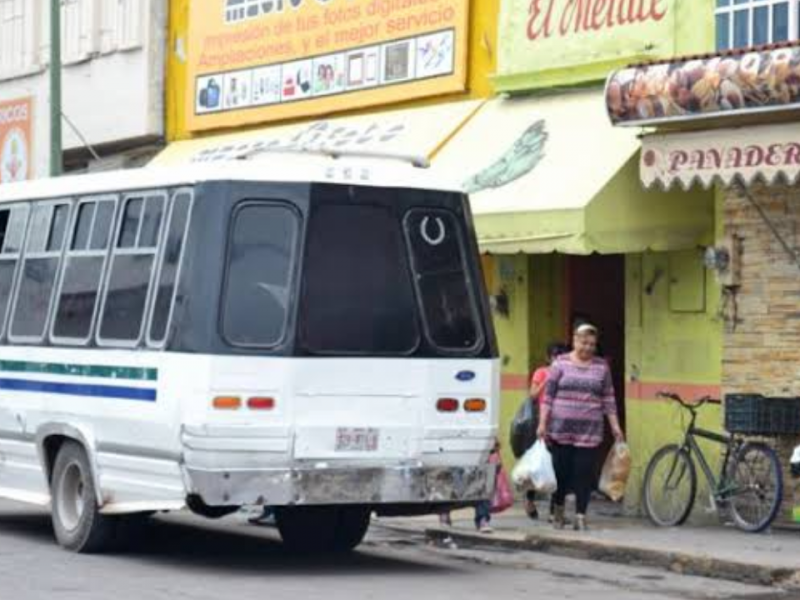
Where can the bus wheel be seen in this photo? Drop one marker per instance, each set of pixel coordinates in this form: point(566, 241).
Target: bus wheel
point(77, 521)
point(321, 529)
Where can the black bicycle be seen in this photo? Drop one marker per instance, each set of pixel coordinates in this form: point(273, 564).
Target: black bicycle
point(749, 486)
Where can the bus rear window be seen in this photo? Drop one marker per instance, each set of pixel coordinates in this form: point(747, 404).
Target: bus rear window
point(261, 254)
point(439, 263)
point(357, 296)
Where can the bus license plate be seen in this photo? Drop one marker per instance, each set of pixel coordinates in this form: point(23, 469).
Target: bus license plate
point(352, 439)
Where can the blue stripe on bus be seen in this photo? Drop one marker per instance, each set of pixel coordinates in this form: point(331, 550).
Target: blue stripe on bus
point(79, 389)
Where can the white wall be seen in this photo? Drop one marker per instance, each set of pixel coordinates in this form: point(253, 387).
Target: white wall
point(112, 92)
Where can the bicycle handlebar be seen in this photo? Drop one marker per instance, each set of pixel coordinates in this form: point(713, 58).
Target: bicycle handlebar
point(689, 406)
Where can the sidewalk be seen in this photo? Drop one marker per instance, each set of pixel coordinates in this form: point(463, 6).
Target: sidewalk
point(708, 551)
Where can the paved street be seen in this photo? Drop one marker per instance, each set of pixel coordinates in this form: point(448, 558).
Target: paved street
point(185, 558)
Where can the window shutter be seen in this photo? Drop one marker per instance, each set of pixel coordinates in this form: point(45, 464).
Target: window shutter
point(109, 19)
point(77, 29)
point(130, 24)
point(16, 51)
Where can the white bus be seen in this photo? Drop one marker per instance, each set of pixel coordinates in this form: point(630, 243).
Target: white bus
point(297, 332)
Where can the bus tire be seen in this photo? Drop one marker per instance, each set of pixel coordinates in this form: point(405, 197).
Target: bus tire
point(351, 528)
point(77, 522)
point(322, 529)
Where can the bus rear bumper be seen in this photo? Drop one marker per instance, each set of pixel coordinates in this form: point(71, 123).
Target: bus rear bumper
point(343, 485)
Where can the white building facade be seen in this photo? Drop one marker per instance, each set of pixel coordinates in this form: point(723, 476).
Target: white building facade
point(113, 54)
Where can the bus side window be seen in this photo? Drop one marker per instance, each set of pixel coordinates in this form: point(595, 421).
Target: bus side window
point(130, 277)
point(169, 270)
point(12, 223)
point(83, 270)
point(40, 267)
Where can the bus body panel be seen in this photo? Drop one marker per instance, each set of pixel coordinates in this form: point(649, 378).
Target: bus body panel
point(151, 454)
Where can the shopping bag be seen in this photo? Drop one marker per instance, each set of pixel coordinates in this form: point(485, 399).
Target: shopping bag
point(523, 427)
point(503, 498)
point(521, 473)
point(616, 470)
point(543, 475)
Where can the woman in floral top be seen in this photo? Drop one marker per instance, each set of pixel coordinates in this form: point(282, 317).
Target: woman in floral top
point(579, 395)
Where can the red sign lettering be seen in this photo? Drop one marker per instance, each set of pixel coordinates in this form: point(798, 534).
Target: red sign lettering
point(581, 16)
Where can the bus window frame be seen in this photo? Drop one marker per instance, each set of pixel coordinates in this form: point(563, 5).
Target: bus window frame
point(155, 344)
point(115, 251)
point(293, 270)
point(480, 338)
point(18, 257)
point(88, 253)
point(69, 202)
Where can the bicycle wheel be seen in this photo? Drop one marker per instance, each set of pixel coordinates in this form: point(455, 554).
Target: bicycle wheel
point(756, 487)
point(670, 486)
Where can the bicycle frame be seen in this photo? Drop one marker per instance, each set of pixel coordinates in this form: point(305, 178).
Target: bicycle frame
point(690, 444)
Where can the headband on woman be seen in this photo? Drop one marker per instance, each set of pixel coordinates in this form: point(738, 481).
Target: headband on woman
point(586, 328)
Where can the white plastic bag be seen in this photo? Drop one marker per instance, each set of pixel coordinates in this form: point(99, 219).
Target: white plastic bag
point(535, 468)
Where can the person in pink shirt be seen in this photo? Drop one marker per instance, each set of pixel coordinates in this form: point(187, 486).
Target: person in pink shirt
point(579, 397)
point(537, 389)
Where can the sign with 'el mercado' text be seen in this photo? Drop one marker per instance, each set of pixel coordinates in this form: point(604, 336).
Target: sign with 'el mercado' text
point(543, 35)
point(16, 118)
point(254, 61)
point(767, 152)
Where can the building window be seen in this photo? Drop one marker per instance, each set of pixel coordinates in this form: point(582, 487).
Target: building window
point(18, 41)
point(744, 23)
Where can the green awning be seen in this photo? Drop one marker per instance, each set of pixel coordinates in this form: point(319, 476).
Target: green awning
point(552, 175)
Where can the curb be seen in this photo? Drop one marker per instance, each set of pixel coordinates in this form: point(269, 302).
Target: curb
point(675, 562)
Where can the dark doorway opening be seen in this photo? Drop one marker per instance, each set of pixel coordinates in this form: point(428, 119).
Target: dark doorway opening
point(595, 291)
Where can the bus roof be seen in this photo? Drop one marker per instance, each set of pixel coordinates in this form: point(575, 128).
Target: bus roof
point(273, 168)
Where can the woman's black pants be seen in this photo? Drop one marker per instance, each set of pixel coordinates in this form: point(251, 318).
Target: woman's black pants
point(575, 471)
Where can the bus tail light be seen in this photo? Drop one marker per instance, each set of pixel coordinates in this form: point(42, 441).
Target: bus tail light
point(475, 405)
point(447, 405)
point(261, 403)
point(227, 403)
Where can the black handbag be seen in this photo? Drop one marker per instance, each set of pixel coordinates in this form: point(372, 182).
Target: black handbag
point(523, 427)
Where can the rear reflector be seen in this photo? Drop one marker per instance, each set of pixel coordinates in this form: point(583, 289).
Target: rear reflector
point(447, 405)
point(261, 403)
point(475, 405)
point(227, 403)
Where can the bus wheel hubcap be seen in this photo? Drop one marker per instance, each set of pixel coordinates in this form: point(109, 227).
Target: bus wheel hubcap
point(70, 503)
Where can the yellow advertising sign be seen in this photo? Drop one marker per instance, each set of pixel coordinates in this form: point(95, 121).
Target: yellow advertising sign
point(253, 61)
point(545, 35)
point(16, 118)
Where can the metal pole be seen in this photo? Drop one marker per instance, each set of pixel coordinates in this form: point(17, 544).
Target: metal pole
point(56, 158)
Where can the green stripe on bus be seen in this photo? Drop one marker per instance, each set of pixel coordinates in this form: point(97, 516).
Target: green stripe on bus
point(109, 372)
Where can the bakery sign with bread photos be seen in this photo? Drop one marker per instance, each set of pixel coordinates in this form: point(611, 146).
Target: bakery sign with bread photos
point(252, 61)
point(716, 86)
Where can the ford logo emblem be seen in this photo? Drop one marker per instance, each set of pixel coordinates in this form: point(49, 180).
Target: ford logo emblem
point(465, 375)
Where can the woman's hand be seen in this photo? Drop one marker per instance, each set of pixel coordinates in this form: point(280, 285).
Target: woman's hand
point(541, 431)
point(619, 436)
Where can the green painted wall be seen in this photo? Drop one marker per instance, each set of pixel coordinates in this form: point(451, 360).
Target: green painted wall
point(510, 275)
point(673, 340)
point(547, 319)
point(653, 424)
point(694, 34)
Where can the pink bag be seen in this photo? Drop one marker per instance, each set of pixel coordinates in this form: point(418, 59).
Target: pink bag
point(503, 495)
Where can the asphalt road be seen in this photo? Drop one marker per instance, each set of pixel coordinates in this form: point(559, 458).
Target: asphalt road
point(186, 558)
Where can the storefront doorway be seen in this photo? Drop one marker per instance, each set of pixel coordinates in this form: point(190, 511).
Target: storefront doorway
point(595, 292)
